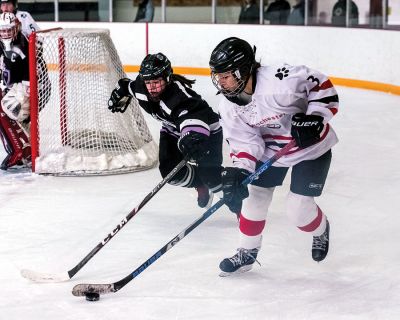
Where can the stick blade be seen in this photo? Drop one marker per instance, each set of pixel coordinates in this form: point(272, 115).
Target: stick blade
point(81, 289)
point(44, 277)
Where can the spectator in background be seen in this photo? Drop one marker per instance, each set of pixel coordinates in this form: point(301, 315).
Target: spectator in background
point(322, 18)
point(145, 11)
point(277, 12)
point(103, 10)
point(249, 12)
point(339, 13)
point(28, 25)
point(296, 17)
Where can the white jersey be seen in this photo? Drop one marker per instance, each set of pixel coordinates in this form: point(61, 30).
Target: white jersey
point(28, 25)
point(257, 130)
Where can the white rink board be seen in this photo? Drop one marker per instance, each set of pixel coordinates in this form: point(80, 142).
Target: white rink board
point(361, 54)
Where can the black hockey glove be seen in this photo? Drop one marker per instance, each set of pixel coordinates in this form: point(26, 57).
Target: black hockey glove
point(120, 97)
point(193, 145)
point(306, 129)
point(233, 189)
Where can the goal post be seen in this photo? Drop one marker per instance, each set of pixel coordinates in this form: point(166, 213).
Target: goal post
point(72, 74)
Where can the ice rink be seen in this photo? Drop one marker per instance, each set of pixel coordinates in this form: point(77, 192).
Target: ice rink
point(50, 223)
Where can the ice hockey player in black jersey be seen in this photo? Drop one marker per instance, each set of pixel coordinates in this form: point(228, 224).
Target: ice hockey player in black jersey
point(190, 128)
point(15, 91)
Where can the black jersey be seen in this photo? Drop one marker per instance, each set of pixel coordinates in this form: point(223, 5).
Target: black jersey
point(179, 109)
point(15, 62)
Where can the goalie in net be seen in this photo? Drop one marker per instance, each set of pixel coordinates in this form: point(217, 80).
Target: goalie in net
point(14, 113)
point(190, 128)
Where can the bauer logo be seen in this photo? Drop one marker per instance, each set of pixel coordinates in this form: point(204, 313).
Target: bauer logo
point(313, 185)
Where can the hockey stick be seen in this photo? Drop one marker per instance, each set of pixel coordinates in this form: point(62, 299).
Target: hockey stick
point(83, 289)
point(58, 277)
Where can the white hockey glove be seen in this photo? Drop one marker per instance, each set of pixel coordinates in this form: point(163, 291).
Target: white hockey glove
point(15, 103)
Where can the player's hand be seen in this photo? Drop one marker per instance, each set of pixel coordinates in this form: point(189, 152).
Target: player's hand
point(193, 145)
point(233, 189)
point(120, 97)
point(306, 129)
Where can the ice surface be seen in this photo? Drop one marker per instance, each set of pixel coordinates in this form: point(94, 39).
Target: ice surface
point(49, 224)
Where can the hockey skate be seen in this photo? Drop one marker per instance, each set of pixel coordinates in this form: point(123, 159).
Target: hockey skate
point(204, 197)
point(22, 158)
point(320, 245)
point(11, 160)
point(241, 262)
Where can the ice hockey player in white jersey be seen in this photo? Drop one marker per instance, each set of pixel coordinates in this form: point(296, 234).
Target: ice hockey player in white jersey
point(28, 24)
point(189, 126)
point(262, 108)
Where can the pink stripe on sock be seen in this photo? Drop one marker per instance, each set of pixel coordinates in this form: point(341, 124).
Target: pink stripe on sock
point(250, 227)
point(313, 224)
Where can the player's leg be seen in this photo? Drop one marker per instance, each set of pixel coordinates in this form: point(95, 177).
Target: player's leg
point(253, 220)
point(169, 157)
point(308, 180)
point(16, 143)
point(209, 170)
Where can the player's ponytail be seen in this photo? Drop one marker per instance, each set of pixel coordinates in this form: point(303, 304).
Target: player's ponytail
point(183, 80)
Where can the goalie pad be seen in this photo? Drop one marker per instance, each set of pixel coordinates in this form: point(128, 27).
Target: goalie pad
point(16, 142)
point(15, 103)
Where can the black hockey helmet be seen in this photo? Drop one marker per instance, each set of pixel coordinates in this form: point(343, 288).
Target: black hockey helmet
point(236, 56)
point(155, 66)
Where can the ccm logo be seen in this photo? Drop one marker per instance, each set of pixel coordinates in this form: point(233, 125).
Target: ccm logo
point(305, 124)
point(114, 232)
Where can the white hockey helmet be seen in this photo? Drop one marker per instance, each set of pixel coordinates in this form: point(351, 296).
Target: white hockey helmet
point(9, 26)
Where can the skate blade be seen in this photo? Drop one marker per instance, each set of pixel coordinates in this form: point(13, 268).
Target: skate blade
point(210, 201)
point(237, 272)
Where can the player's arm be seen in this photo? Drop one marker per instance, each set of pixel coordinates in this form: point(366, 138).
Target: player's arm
point(193, 118)
point(29, 25)
point(322, 97)
point(322, 105)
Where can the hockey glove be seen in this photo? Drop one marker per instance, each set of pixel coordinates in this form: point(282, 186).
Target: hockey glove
point(193, 145)
point(306, 129)
point(120, 97)
point(233, 189)
point(16, 102)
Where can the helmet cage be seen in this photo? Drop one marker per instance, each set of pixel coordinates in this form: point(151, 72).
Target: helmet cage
point(9, 26)
point(241, 76)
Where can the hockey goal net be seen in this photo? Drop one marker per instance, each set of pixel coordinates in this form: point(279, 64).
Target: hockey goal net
point(73, 72)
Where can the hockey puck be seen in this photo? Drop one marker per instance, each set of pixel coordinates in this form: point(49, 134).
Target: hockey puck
point(92, 296)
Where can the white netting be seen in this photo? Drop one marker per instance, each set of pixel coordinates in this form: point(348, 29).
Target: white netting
point(78, 135)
